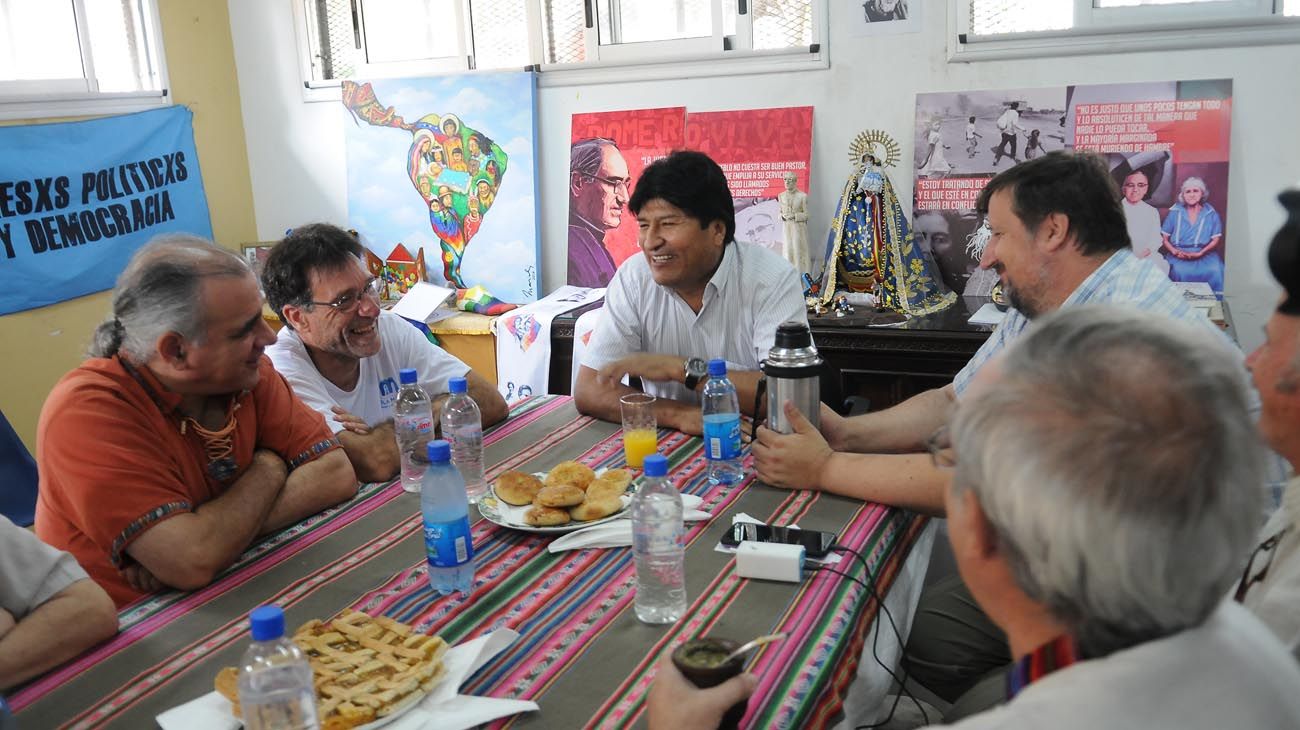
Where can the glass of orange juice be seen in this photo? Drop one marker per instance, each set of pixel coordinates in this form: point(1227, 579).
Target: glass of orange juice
point(640, 434)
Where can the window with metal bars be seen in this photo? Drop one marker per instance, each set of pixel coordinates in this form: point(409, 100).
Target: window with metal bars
point(1023, 28)
point(83, 55)
point(355, 38)
point(1001, 17)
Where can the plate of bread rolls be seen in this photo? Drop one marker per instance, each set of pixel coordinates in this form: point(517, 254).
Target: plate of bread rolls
point(569, 497)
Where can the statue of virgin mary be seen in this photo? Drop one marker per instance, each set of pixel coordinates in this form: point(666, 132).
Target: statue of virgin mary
point(870, 246)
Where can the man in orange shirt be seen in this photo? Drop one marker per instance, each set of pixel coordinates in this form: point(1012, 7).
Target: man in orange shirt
point(164, 455)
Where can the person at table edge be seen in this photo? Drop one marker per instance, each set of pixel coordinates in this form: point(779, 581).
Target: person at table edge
point(342, 353)
point(1270, 585)
point(50, 610)
point(696, 294)
point(164, 455)
point(1127, 631)
point(1058, 239)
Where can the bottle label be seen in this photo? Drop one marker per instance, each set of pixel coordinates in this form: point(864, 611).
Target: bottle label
point(419, 423)
point(448, 544)
point(722, 438)
point(651, 539)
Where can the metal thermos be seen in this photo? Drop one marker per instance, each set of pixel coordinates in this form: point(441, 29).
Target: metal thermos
point(793, 369)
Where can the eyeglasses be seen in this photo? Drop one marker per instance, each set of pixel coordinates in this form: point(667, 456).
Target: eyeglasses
point(614, 183)
point(1252, 574)
point(940, 447)
point(1136, 185)
point(348, 303)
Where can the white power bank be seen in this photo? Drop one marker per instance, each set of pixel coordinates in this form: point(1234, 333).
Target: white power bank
point(770, 561)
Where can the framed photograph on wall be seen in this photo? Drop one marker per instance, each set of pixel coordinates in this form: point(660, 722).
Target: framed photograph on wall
point(884, 17)
point(255, 254)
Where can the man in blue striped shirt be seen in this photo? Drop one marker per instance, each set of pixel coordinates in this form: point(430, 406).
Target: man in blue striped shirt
point(1058, 239)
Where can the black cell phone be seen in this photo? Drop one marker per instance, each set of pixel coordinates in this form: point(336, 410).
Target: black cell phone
point(815, 542)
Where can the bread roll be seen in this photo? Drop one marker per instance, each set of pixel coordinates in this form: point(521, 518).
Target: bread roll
point(595, 509)
point(546, 516)
point(602, 488)
point(571, 472)
point(517, 488)
point(560, 495)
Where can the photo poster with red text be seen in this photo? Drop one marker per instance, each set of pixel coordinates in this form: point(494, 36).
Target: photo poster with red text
point(1166, 145)
point(608, 151)
point(755, 148)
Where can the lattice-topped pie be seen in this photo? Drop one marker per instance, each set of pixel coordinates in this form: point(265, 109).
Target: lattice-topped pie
point(365, 667)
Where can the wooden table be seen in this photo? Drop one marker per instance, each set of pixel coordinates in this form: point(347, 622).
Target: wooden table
point(582, 655)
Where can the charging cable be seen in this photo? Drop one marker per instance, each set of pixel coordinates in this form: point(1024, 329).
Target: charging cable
point(880, 603)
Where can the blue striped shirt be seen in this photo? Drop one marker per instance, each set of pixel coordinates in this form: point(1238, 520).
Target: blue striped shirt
point(1123, 279)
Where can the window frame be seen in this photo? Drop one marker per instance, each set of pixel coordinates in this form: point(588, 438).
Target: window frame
point(76, 97)
point(642, 61)
point(1176, 26)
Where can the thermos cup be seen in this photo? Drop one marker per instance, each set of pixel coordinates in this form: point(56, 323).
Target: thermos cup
point(793, 369)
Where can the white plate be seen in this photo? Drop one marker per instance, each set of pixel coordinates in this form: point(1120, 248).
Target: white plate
point(494, 509)
point(508, 515)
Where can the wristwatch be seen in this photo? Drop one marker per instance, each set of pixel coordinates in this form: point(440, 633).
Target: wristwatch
point(696, 370)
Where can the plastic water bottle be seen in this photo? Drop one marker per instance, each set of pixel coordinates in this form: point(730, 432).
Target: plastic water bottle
point(721, 410)
point(657, 545)
point(275, 679)
point(462, 425)
point(413, 422)
point(448, 545)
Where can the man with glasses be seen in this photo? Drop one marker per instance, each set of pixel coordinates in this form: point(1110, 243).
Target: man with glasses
point(1270, 585)
point(598, 192)
point(1057, 239)
point(176, 444)
point(1099, 529)
point(342, 352)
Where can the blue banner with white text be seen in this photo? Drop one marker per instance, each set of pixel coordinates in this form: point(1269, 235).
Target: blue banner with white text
point(78, 198)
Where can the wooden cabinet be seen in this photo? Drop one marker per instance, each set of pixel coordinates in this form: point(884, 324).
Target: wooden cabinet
point(885, 365)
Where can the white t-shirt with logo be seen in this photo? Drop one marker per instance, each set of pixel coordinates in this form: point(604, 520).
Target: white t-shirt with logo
point(402, 346)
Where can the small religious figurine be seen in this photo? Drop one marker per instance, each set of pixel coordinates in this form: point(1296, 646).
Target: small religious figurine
point(870, 247)
point(794, 215)
point(842, 306)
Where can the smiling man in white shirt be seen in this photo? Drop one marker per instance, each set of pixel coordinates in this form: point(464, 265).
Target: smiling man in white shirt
point(341, 352)
point(696, 294)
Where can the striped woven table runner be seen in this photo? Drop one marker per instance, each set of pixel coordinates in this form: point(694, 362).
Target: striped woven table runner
point(581, 653)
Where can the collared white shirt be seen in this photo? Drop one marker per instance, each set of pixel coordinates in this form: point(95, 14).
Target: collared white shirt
point(752, 292)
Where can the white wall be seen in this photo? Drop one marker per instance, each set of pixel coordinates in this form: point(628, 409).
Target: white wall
point(295, 149)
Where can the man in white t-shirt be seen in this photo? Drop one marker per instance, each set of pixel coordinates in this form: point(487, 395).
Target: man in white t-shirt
point(696, 294)
point(342, 353)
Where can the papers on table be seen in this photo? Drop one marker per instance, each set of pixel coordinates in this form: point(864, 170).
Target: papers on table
point(987, 314)
point(424, 303)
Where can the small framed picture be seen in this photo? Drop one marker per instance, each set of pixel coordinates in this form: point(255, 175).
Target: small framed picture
point(255, 254)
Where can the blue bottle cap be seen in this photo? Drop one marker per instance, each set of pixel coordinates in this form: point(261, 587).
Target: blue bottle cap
point(717, 368)
point(408, 376)
point(655, 465)
point(458, 385)
point(267, 623)
point(439, 451)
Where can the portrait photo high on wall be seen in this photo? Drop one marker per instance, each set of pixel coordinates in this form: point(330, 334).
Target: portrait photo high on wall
point(881, 17)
